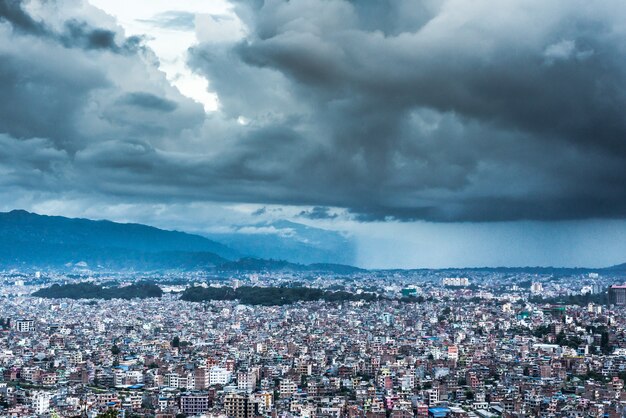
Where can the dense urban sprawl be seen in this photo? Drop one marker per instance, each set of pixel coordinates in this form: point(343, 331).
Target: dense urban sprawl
point(422, 343)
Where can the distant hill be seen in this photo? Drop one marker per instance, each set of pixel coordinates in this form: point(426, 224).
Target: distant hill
point(285, 240)
point(618, 267)
point(39, 241)
point(335, 268)
point(262, 265)
point(28, 239)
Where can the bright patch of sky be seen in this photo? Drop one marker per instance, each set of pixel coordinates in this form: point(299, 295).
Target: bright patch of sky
point(171, 28)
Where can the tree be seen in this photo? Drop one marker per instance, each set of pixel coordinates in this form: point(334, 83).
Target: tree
point(115, 350)
point(109, 413)
point(604, 343)
point(176, 342)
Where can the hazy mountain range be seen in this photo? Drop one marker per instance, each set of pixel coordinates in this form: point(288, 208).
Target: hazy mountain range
point(291, 241)
point(28, 239)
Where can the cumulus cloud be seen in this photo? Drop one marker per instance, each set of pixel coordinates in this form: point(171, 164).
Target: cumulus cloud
point(318, 212)
point(148, 101)
point(449, 115)
point(440, 110)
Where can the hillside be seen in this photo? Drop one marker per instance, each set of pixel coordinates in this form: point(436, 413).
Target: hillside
point(54, 241)
point(263, 265)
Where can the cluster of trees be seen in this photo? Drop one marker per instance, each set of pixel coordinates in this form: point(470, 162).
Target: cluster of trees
point(414, 299)
point(176, 342)
point(572, 341)
point(94, 291)
point(541, 331)
point(579, 300)
point(268, 296)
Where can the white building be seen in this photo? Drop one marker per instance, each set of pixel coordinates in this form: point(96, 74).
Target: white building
point(455, 281)
point(287, 388)
point(246, 381)
point(171, 380)
point(219, 376)
point(23, 325)
point(40, 402)
point(536, 288)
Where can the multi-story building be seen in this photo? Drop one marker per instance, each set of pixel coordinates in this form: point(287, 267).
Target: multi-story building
point(617, 295)
point(219, 376)
point(287, 388)
point(246, 381)
point(455, 281)
point(201, 378)
point(194, 404)
point(41, 402)
point(23, 325)
point(240, 405)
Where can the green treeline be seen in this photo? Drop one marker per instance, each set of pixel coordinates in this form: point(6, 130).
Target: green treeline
point(580, 300)
point(94, 291)
point(269, 296)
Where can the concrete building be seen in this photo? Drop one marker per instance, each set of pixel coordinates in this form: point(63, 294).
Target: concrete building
point(240, 406)
point(194, 404)
point(617, 295)
point(23, 325)
point(219, 376)
point(41, 402)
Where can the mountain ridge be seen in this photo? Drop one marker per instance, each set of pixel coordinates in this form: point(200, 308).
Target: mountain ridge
point(56, 241)
point(44, 241)
point(32, 240)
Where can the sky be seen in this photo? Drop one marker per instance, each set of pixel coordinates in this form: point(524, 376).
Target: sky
point(434, 132)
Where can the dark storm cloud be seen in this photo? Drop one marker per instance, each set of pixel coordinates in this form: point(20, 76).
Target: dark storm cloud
point(440, 109)
point(79, 34)
point(148, 101)
point(38, 102)
point(12, 12)
point(454, 112)
point(76, 33)
point(318, 212)
point(62, 85)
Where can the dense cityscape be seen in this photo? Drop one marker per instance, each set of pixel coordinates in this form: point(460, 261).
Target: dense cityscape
point(312, 209)
point(475, 343)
